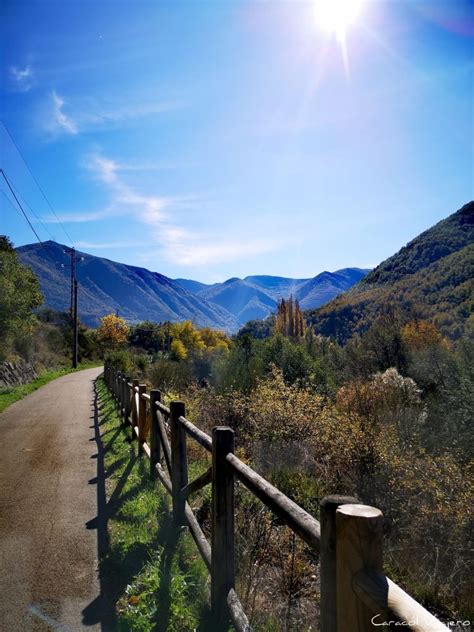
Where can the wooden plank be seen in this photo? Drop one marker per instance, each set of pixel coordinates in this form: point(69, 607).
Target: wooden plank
point(222, 542)
point(389, 603)
point(359, 536)
point(198, 536)
point(133, 405)
point(198, 435)
point(179, 461)
point(155, 445)
point(237, 614)
point(142, 418)
point(164, 441)
point(327, 561)
point(164, 410)
point(299, 520)
point(127, 400)
point(198, 483)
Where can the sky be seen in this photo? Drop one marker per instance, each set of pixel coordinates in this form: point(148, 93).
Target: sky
point(219, 138)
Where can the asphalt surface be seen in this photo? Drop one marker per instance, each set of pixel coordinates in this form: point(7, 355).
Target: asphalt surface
point(48, 509)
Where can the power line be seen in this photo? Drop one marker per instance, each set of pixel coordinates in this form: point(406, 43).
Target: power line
point(20, 206)
point(32, 211)
point(11, 203)
point(37, 183)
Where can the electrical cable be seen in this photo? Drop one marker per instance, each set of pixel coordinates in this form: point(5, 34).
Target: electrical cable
point(37, 183)
point(20, 206)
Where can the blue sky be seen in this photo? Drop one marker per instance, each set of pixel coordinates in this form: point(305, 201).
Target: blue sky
point(216, 139)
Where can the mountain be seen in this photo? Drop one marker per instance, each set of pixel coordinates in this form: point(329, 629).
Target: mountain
point(431, 278)
point(138, 294)
point(107, 286)
point(191, 286)
point(327, 285)
point(256, 297)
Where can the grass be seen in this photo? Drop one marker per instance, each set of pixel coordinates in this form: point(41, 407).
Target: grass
point(151, 571)
point(9, 395)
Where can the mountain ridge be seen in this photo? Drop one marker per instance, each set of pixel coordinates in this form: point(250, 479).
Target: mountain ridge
point(139, 294)
point(430, 278)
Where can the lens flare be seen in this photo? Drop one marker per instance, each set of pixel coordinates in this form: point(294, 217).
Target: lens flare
point(335, 16)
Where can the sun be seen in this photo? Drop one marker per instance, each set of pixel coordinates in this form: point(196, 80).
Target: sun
point(335, 16)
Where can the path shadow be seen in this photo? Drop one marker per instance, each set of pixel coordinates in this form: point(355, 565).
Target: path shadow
point(115, 573)
point(117, 569)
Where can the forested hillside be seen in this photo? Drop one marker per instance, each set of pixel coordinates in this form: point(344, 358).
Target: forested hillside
point(431, 278)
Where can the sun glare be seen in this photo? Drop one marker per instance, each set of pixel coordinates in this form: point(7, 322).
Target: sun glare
point(335, 16)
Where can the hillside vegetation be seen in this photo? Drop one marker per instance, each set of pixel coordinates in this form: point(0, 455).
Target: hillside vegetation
point(432, 278)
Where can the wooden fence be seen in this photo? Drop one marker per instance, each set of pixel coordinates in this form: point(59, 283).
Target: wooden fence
point(355, 595)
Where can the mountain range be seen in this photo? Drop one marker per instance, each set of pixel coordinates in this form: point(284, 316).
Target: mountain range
point(431, 278)
point(138, 294)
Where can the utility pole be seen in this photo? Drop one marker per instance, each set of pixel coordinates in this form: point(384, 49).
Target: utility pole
point(73, 309)
point(74, 321)
point(73, 277)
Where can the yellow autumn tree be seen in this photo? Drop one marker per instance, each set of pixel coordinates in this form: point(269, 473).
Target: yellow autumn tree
point(113, 331)
point(289, 319)
point(421, 334)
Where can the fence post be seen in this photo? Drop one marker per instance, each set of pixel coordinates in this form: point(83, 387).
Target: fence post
point(359, 545)
point(222, 544)
point(123, 396)
point(179, 461)
point(155, 445)
point(327, 559)
point(126, 405)
point(141, 418)
point(119, 393)
point(133, 404)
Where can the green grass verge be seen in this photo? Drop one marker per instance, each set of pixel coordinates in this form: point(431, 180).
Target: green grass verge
point(9, 395)
point(152, 573)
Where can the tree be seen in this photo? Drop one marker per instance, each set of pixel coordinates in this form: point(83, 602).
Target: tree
point(178, 350)
point(19, 295)
point(289, 321)
point(113, 331)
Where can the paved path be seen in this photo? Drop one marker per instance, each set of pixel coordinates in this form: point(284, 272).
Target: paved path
point(48, 509)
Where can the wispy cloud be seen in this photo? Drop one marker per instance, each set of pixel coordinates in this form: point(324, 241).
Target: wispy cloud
point(149, 209)
point(77, 218)
point(176, 244)
point(105, 245)
point(22, 78)
point(191, 249)
point(60, 120)
point(86, 113)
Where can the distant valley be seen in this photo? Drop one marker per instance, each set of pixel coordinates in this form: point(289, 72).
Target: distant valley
point(139, 294)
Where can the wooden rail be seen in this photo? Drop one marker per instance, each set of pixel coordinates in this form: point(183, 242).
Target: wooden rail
point(355, 595)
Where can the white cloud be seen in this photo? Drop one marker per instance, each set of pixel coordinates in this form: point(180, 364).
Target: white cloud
point(77, 218)
point(22, 79)
point(150, 209)
point(177, 244)
point(104, 245)
point(60, 120)
point(85, 113)
point(190, 249)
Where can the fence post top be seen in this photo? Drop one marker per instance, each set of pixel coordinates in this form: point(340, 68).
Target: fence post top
point(219, 429)
point(155, 394)
point(359, 511)
point(142, 387)
point(177, 404)
point(177, 408)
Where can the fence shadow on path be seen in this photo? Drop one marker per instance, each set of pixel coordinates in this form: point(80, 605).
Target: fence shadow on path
point(114, 575)
point(117, 571)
